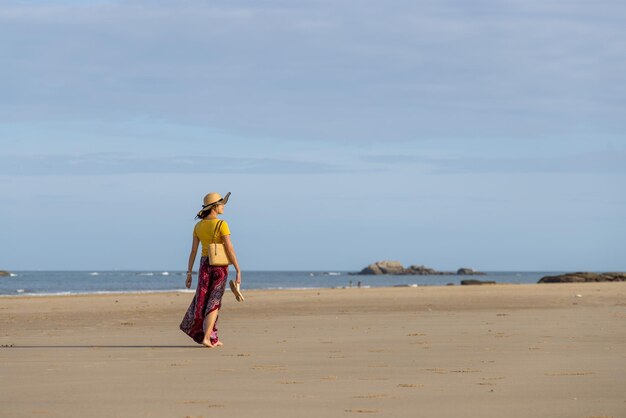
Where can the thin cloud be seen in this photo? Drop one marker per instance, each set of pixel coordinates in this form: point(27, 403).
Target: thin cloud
point(118, 163)
point(600, 163)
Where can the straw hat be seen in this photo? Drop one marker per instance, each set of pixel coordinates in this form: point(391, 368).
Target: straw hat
point(211, 200)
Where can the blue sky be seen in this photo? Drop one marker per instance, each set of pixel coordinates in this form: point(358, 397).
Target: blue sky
point(447, 133)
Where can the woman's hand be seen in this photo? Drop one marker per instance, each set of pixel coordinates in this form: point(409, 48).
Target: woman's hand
point(188, 281)
point(238, 279)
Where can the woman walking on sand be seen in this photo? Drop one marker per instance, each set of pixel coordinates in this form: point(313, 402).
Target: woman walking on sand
point(200, 321)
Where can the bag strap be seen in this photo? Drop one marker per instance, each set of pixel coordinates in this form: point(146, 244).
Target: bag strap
point(217, 228)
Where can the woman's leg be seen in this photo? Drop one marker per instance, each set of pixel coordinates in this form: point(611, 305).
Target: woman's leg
point(209, 325)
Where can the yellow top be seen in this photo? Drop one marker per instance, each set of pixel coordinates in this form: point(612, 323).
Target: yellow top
point(205, 229)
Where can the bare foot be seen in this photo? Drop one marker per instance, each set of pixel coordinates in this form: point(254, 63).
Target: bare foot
point(217, 344)
point(207, 343)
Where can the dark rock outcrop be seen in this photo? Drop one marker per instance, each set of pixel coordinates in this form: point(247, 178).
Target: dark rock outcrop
point(396, 268)
point(464, 271)
point(476, 282)
point(584, 277)
point(421, 271)
point(4, 273)
point(383, 267)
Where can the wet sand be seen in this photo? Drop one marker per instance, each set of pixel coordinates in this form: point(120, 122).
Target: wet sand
point(481, 351)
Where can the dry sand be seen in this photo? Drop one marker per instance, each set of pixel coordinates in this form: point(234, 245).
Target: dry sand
point(486, 351)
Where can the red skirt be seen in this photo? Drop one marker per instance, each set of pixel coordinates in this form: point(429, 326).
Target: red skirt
point(208, 297)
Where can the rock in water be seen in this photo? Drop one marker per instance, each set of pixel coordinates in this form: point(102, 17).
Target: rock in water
point(395, 268)
point(464, 271)
point(584, 277)
point(421, 271)
point(4, 273)
point(475, 282)
point(384, 267)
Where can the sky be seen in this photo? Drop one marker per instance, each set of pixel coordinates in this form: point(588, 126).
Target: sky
point(445, 133)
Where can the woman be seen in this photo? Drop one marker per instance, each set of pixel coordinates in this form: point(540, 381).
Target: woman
point(200, 321)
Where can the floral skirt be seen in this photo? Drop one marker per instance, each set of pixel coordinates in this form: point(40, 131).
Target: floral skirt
point(208, 297)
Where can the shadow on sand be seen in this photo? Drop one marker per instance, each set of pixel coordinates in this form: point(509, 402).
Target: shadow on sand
point(11, 346)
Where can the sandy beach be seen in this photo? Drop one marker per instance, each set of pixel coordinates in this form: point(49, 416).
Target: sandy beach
point(485, 351)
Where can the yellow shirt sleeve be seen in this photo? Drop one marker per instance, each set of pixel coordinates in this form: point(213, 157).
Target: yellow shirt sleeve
point(224, 229)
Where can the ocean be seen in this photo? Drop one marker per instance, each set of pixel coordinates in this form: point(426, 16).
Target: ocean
point(93, 282)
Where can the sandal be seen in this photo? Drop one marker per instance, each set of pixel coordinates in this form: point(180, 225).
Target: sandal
point(235, 288)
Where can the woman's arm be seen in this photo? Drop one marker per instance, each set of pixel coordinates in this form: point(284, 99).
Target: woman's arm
point(192, 259)
point(230, 252)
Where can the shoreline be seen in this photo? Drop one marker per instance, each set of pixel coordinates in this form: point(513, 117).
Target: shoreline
point(192, 290)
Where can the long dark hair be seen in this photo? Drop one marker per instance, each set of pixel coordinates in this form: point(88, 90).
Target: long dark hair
point(205, 212)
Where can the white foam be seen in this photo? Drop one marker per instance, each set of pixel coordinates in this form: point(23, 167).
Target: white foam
point(94, 273)
point(12, 275)
point(165, 273)
point(291, 288)
point(103, 292)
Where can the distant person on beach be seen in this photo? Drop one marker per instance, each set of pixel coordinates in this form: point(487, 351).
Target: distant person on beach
point(200, 321)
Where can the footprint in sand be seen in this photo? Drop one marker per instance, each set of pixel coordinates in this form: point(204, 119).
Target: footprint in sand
point(372, 396)
point(269, 367)
point(437, 370)
point(409, 385)
point(570, 374)
point(363, 411)
point(209, 404)
point(487, 379)
point(290, 382)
